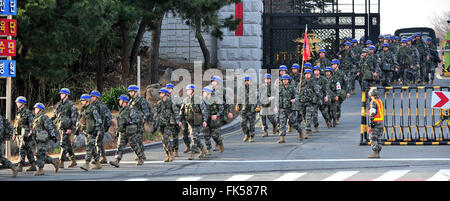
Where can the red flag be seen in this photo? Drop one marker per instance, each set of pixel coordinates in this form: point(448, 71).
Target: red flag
point(306, 50)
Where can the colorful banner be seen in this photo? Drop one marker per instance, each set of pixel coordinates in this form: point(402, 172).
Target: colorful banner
point(8, 27)
point(239, 14)
point(8, 7)
point(7, 47)
point(306, 50)
point(7, 68)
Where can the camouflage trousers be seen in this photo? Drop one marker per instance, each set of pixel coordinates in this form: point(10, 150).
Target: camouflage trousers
point(99, 144)
point(176, 131)
point(293, 116)
point(66, 146)
point(375, 135)
point(194, 132)
point(140, 137)
point(213, 133)
point(387, 77)
point(25, 149)
point(41, 155)
point(307, 111)
point(4, 161)
point(271, 118)
point(325, 114)
point(124, 139)
point(91, 148)
point(351, 78)
point(248, 120)
point(332, 110)
point(167, 132)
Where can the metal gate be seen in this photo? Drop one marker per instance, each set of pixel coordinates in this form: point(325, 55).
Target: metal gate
point(329, 22)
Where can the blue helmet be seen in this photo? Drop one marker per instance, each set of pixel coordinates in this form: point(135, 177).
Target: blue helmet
point(216, 78)
point(285, 77)
point(322, 50)
point(409, 39)
point(64, 91)
point(283, 67)
point(328, 69)
point(354, 41)
point(247, 78)
point(133, 87)
point(362, 39)
point(348, 43)
point(418, 34)
point(296, 65)
point(40, 106)
point(372, 47)
point(369, 42)
point(428, 40)
point(190, 86)
point(336, 61)
point(124, 97)
point(85, 97)
point(308, 71)
point(380, 36)
point(164, 90)
point(96, 93)
point(170, 85)
point(307, 65)
point(21, 99)
point(404, 40)
point(207, 89)
point(317, 68)
point(267, 76)
point(386, 45)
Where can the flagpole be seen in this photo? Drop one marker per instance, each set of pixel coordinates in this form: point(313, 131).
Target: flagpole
point(303, 60)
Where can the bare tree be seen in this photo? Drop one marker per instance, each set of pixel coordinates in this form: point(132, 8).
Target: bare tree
point(440, 24)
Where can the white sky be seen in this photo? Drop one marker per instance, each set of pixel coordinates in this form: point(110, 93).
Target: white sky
point(396, 14)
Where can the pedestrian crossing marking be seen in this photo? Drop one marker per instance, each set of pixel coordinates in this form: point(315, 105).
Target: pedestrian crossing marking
point(241, 177)
point(341, 175)
point(289, 177)
point(189, 178)
point(442, 175)
point(137, 179)
point(392, 175)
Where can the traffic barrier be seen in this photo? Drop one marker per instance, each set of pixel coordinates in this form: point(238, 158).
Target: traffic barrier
point(409, 117)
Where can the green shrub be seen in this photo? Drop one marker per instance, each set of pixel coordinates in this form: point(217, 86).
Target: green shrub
point(111, 97)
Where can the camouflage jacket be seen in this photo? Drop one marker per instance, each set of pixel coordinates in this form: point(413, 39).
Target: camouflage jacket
point(323, 63)
point(42, 123)
point(324, 89)
point(222, 93)
point(287, 93)
point(166, 112)
point(333, 92)
point(24, 121)
point(405, 56)
point(142, 107)
point(309, 93)
point(127, 120)
point(105, 114)
point(5, 133)
point(421, 47)
point(368, 68)
point(347, 61)
point(342, 83)
point(265, 92)
point(65, 116)
point(213, 108)
point(249, 100)
point(387, 58)
point(90, 120)
point(192, 112)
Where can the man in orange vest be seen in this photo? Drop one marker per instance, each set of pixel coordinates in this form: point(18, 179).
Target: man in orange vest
point(375, 122)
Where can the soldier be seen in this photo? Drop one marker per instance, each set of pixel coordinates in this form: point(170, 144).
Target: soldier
point(362, 43)
point(282, 70)
point(90, 123)
point(144, 111)
point(215, 115)
point(323, 99)
point(388, 64)
point(369, 43)
point(105, 114)
point(322, 61)
point(405, 56)
point(220, 92)
point(355, 47)
point(380, 43)
point(424, 56)
point(128, 131)
point(267, 98)
point(43, 129)
point(288, 95)
point(196, 116)
point(65, 118)
point(308, 98)
point(347, 58)
point(295, 73)
point(432, 61)
point(342, 84)
point(6, 132)
point(165, 120)
point(23, 125)
point(416, 59)
point(369, 70)
point(333, 95)
point(375, 122)
point(247, 107)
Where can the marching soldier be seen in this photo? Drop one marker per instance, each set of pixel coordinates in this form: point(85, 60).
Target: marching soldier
point(346, 57)
point(295, 73)
point(369, 70)
point(355, 47)
point(388, 64)
point(105, 114)
point(375, 122)
point(424, 56)
point(165, 120)
point(432, 61)
point(195, 113)
point(267, 98)
point(416, 59)
point(221, 92)
point(322, 61)
point(333, 95)
point(6, 132)
point(90, 123)
point(23, 125)
point(248, 109)
point(323, 99)
point(43, 129)
point(215, 115)
point(282, 70)
point(380, 43)
point(406, 60)
point(342, 84)
point(144, 111)
point(128, 131)
point(308, 98)
point(65, 118)
point(288, 96)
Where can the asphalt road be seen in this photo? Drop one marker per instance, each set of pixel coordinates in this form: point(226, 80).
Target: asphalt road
point(332, 154)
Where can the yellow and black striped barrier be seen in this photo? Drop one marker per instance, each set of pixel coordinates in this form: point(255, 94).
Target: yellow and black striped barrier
point(421, 125)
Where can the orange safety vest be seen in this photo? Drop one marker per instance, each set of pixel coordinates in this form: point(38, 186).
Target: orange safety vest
point(379, 115)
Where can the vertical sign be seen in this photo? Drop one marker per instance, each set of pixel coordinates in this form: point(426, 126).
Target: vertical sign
point(239, 14)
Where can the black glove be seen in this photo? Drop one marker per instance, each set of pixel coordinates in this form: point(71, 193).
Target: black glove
point(54, 138)
point(153, 130)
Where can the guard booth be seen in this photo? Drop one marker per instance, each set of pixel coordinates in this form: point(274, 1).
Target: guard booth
point(413, 115)
point(329, 22)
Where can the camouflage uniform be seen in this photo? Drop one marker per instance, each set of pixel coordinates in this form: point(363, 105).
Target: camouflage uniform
point(333, 92)
point(342, 83)
point(23, 125)
point(43, 129)
point(376, 128)
point(308, 98)
point(265, 114)
point(322, 63)
point(247, 110)
point(105, 114)
point(90, 123)
point(348, 67)
point(65, 117)
point(128, 129)
point(4, 135)
point(368, 67)
point(321, 105)
point(213, 128)
point(144, 111)
point(388, 63)
point(165, 122)
point(432, 63)
point(423, 53)
point(405, 57)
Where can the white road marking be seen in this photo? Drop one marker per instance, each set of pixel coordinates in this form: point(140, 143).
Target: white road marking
point(341, 175)
point(137, 179)
point(307, 160)
point(290, 176)
point(239, 177)
point(442, 175)
point(392, 175)
point(189, 178)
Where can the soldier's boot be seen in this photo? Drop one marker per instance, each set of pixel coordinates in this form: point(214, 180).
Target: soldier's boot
point(55, 163)
point(140, 161)
point(32, 167)
point(96, 166)
point(275, 130)
point(337, 122)
point(281, 140)
point(144, 157)
point(115, 163)
point(375, 154)
point(221, 147)
point(334, 123)
point(19, 167)
point(187, 149)
point(208, 152)
point(202, 153)
point(216, 148)
point(61, 164)
point(328, 124)
point(175, 153)
point(85, 167)
point(251, 139)
point(39, 172)
point(72, 163)
point(14, 171)
point(300, 135)
point(265, 134)
point(316, 129)
point(245, 138)
point(191, 156)
point(104, 160)
point(289, 128)
point(308, 134)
